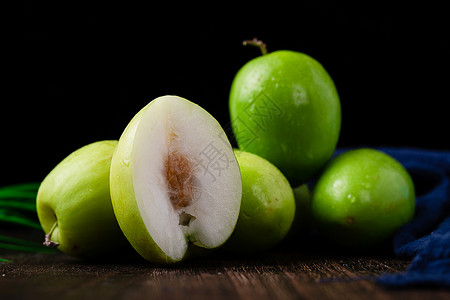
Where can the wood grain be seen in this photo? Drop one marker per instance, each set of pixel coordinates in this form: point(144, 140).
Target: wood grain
point(275, 275)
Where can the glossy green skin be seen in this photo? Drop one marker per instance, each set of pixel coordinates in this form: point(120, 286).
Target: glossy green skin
point(362, 198)
point(124, 200)
point(76, 194)
point(267, 207)
point(284, 107)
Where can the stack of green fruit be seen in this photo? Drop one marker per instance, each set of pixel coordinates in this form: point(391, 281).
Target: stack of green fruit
point(285, 108)
point(173, 186)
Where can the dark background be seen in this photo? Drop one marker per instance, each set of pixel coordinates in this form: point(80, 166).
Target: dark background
point(81, 71)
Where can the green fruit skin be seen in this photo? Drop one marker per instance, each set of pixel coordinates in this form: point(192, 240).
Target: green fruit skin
point(267, 206)
point(285, 108)
point(76, 193)
point(362, 198)
point(124, 200)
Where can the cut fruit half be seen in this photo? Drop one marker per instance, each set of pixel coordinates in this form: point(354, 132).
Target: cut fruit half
point(175, 181)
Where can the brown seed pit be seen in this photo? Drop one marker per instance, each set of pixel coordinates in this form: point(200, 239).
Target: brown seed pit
point(179, 179)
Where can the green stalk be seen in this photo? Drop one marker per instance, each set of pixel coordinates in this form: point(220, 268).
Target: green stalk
point(48, 241)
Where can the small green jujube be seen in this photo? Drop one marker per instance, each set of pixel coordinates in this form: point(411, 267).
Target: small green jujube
point(74, 205)
point(285, 108)
point(267, 206)
point(362, 197)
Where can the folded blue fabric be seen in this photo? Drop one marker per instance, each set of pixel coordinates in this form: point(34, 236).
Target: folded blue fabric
point(426, 239)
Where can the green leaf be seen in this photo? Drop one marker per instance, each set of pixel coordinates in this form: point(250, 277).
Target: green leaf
point(27, 248)
point(15, 218)
point(24, 191)
point(10, 243)
point(11, 240)
point(17, 205)
point(17, 194)
point(30, 186)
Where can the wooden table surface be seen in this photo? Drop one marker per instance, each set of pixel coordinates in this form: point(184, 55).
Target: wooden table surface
point(284, 273)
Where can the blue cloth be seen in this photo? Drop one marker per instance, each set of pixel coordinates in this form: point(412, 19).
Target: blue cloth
point(426, 239)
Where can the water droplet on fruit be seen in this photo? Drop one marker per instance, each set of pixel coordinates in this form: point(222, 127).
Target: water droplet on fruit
point(337, 184)
point(351, 198)
point(299, 96)
point(367, 185)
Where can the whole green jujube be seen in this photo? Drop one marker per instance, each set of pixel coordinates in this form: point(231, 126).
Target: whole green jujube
point(285, 108)
point(362, 198)
point(267, 206)
point(74, 205)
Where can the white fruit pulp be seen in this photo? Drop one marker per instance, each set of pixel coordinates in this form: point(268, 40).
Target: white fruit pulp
point(174, 124)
